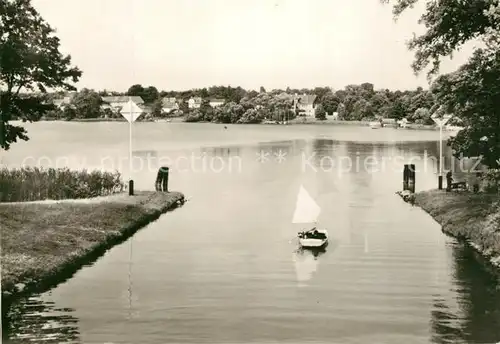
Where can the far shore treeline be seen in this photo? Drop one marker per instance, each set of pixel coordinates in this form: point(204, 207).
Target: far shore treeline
point(352, 103)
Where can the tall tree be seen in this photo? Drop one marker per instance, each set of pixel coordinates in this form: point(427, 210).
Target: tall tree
point(330, 102)
point(341, 111)
point(450, 24)
point(150, 94)
point(320, 92)
point(29, 59)
point(473, 95)
point(156, 110)
point(320, 112)
point(135, 90)
point(86, 104)
point(473, 92)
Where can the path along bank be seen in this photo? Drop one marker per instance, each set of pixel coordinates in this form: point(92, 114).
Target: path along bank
point(46, 242)
point(468, 217)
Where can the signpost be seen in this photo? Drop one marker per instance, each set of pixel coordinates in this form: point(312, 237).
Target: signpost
point(131, 112)
point(441, 121)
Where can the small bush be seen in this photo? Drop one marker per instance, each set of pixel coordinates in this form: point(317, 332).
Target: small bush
point(491, 181)
point(33, 184)
point(194, 116)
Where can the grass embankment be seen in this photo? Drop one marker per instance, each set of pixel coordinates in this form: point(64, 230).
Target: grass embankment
point(470, 217)
point(45, 242)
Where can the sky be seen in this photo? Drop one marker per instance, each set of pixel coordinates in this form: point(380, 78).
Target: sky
point(184, 44)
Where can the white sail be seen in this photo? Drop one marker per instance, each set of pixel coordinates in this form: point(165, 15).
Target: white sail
point(306, 209)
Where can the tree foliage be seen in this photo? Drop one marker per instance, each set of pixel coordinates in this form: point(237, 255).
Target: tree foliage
point(450, 24)
point(472, 93)
point(320, 112)
point(86, 104)
point(148, 94)
point(157, 107)
point(29, 60)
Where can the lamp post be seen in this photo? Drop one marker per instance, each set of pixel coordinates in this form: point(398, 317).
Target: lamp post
point(440, 121)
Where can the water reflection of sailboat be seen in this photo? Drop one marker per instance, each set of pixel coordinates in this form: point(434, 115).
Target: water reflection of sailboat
point(307, 211)
point(306, 264)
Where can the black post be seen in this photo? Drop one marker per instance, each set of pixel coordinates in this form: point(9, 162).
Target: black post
point(165, 178)
point(405, 177)
point(411, 178)
point(158, 180)
point(440, 182)
point(130, 187)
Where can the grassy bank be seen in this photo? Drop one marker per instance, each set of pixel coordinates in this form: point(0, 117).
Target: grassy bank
point(45, 242)
point(470, 217)
point(33, 184)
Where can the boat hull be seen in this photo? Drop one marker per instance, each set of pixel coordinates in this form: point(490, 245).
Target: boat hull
point(314, 243)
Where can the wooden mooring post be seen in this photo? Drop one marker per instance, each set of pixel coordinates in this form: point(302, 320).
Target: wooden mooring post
point(161, 183)
point(409, 178)
point(130, 187)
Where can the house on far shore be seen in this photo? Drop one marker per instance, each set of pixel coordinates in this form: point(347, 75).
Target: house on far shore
point(306, 104)
point(169, 104)
point(389, 122)
point(147, 114)
point(115, 103)
point(334, 116)
point(62, 102)
point(214, 102)
point(403, 123)
point(194, 102)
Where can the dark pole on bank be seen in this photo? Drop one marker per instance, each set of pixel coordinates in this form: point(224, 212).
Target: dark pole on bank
point(409, 178)
point(131, 112)
point(161, 183)
point(440, 121)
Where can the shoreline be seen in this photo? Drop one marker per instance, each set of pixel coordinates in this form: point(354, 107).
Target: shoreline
point(311, 121)
point(473, 219)
point(44, 243)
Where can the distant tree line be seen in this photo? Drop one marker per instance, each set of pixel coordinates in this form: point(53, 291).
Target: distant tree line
point(354, 102)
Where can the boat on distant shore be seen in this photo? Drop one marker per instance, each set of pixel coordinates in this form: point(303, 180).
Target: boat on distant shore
point(375, 125)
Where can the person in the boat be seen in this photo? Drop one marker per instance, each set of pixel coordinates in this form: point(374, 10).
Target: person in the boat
point(314, 233)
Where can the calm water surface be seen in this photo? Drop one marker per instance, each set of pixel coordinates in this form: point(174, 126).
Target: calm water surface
point(225, 266)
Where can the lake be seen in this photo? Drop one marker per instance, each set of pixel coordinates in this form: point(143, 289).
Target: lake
point(225, 268)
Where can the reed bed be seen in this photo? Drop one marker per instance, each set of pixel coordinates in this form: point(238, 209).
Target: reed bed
point(35, 184)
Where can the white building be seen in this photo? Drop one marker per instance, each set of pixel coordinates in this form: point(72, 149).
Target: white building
point(62, 102)
point(306, 104)
point(115, 103)
point(169, 105)
point(194, 102)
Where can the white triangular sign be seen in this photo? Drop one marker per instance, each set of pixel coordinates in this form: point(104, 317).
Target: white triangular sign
point(131, 111)
point(440, 121)
point(306, 209)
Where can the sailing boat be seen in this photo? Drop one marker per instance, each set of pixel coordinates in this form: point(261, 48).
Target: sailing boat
point(307, 211)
